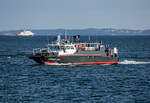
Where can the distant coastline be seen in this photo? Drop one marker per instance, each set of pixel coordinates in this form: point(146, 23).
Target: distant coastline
point(88, 31)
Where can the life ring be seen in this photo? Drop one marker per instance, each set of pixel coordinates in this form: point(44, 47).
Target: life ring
point(76, 46)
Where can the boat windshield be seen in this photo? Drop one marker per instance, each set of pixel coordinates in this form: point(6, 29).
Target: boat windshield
point(58, 48)
point(55, 48)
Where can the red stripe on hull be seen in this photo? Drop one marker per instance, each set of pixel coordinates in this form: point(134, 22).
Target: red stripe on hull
point(48, 62)
point(79, 55)
point(83, 63)
point(95, 63)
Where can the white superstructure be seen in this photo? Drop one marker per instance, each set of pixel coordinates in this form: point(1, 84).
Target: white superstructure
point(25, 33)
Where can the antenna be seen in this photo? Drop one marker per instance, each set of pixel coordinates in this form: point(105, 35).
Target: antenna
point(65, 35)
point(89, 39)
point(69, 38)
point(101, 42)
point(47, 40)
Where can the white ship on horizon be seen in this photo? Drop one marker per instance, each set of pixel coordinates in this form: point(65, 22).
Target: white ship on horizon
point(25, 33)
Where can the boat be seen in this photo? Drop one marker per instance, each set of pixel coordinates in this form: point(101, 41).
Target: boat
point(25, 33)
point(64, 52)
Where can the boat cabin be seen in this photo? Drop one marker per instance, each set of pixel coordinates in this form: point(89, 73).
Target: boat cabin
point(62, 49)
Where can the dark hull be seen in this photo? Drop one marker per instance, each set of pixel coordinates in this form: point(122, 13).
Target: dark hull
point(78, 60)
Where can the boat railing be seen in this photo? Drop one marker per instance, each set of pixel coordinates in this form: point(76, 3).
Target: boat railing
point(37, 50)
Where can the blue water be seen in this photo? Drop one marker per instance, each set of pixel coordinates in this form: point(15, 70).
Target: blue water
point(24, 81)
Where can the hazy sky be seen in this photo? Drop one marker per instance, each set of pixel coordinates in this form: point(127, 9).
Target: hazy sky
point(74, 14)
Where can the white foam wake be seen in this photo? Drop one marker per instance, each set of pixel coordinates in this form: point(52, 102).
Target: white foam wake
point(133, 62)
point(58, 64)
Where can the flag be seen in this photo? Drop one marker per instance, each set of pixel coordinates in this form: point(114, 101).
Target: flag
point(76, 38)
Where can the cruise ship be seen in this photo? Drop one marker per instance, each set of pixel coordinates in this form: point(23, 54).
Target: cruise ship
point(25, 33)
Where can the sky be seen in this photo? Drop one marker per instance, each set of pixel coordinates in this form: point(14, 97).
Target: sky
point(74, 14)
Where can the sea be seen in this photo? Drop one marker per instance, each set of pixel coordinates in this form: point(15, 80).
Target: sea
point(24, 81)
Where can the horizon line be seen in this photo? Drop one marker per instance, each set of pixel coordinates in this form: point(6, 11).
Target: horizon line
point(70, 29)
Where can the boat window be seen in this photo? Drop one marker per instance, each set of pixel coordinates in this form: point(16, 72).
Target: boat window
point(67, 47)
point(54, 47)
point(72, 47)
point(92, 45)
point(44, 50)
point(87, 45)
point(62, 47)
